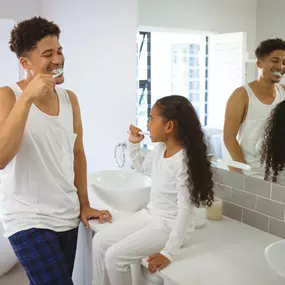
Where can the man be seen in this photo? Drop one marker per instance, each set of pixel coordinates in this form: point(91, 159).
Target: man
point(44, 181)
point(249, 107)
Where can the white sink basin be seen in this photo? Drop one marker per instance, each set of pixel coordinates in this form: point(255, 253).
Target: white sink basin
point(275, 256)
point(122, 190)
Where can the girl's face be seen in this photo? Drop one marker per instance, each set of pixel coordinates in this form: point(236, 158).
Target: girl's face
point(160, 129)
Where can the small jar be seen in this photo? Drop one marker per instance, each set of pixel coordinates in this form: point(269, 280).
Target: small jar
point(215, 212)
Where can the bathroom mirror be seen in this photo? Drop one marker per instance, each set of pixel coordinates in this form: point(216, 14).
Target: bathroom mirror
point(204, 62)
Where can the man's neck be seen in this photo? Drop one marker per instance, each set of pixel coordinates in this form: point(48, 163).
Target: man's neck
point(25, 81)
point(265, 86)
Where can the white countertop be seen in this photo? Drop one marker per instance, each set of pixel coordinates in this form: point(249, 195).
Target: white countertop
point(224, 252)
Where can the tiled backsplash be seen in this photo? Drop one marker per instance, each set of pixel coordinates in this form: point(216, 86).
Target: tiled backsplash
point(252, 201)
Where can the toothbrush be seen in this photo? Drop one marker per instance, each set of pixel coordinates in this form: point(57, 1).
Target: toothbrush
point(277, 73)
point(140, 133)
point(235, 164)
point(59, 72)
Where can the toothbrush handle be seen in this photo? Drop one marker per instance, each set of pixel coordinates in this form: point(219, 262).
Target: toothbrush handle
point(140, 133)
point(237, 164)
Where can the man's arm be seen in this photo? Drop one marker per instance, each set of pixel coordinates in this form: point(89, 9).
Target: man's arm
point(80, 165)
point(14, 114)
point(235, 114)
point(13, 118)
point(80, 168)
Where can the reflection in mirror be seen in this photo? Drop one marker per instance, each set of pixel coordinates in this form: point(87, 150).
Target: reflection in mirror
point(250, 106)
point(194, 64)
point(211, 70)
point(273, 145)
point(231, 163)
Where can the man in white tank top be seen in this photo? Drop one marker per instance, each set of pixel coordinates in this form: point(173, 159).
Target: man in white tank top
point(43, 190)
point(250, 106)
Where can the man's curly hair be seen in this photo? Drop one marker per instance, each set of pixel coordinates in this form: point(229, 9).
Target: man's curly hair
point(273, 145)
point(26, 34)
point(268, 46)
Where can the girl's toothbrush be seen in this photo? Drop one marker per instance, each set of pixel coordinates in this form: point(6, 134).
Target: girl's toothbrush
point(59, 72)
point(141, 133)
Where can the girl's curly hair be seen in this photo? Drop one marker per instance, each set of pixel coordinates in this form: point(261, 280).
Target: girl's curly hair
point(178, 109)
point(273, 144)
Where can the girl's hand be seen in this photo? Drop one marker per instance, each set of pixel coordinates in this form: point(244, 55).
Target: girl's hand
point(135, 137)
point(157, 262)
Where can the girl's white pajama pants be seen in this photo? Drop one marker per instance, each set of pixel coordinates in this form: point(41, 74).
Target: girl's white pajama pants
point(123, 243)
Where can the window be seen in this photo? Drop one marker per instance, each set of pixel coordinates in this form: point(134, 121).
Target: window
point(226, 73)
point(205, 69)
point(170, 63)
point(144, 80)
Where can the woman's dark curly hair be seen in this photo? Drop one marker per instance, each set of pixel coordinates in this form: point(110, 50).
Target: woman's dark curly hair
point(273, 144)
point(26, 34)
point(189, 131)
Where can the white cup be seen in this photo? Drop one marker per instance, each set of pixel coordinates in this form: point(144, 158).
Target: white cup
point(215, 212)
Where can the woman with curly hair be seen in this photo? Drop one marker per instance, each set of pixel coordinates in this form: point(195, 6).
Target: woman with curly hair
point(273, 145)
point(181, 179)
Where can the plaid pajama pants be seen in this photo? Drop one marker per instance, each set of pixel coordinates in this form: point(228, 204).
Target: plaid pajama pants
point(47, 256)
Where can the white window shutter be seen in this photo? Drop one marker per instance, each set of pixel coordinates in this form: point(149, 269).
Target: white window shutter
point(227, 55)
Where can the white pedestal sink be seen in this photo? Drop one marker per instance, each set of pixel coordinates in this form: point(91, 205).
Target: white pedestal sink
point(275, 256)
point(121, 190)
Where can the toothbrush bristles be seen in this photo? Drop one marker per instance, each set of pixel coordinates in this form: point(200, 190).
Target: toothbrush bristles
point(59, 72)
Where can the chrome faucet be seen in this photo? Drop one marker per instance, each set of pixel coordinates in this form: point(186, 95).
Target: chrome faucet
point(123, 146)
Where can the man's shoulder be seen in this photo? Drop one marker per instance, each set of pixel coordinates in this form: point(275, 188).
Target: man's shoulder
point(240, 90)
point(73, 100)
point(6, 89)
point(283, 86)
point(71, 94)
point(239, 93)
point(6, 93)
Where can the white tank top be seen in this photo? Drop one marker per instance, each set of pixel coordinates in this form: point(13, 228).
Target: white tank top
point(37, 187)
point(252, 129)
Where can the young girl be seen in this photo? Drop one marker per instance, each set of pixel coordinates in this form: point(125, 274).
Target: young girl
point(181, 179)
point(273, 145)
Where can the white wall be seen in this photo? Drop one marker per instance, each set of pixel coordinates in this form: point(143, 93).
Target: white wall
point(15, 10)
point(270, 19)
point(9, 68)
point(99, 41)
point(19, 9)
point(221, 16)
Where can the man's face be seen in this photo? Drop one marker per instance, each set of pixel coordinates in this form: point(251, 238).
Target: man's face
point(274, 62)
point(45, 58)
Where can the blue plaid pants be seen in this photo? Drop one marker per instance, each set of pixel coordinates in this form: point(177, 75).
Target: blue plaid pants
point(47, 256)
